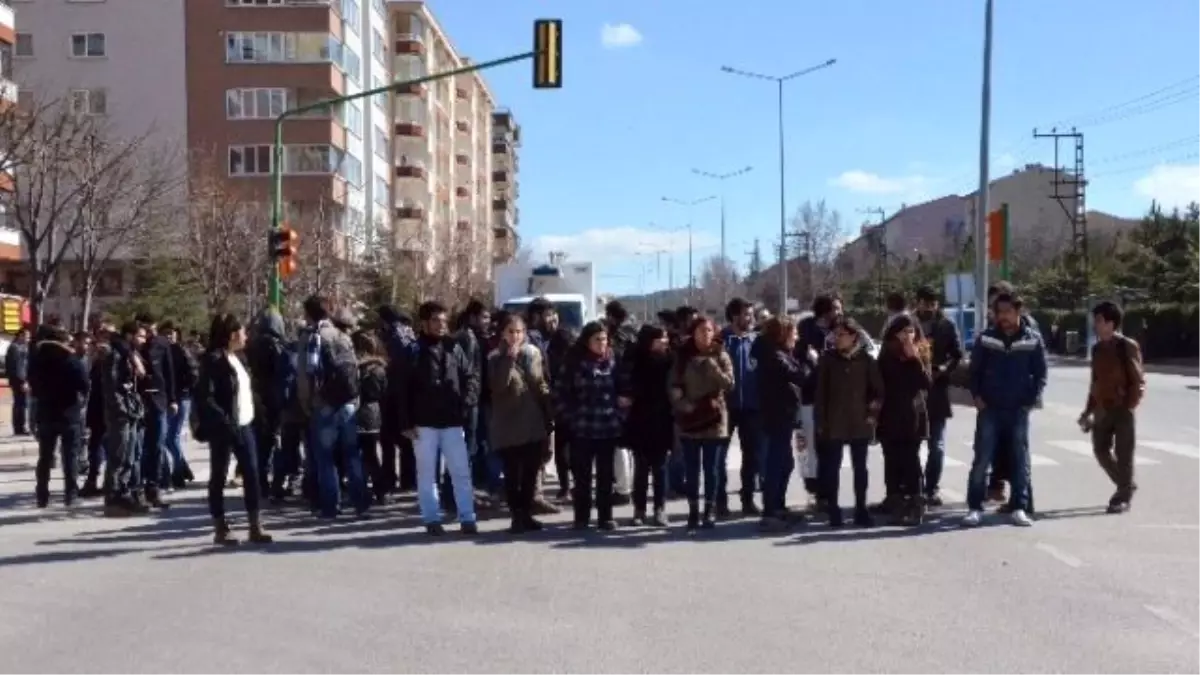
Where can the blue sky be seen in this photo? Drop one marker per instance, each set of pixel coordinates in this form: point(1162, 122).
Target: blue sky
point(895, 121)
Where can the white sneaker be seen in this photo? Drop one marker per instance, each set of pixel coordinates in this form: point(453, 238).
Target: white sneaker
point(972, 519)
point(1019, 517)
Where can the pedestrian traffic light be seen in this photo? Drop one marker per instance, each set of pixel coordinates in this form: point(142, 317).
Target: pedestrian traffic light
point(547, 54)
point(283, 244)
point(997, 224)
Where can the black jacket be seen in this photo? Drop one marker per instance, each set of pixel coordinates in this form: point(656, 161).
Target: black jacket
point(16, 363)
point(816, 336)
point(650, 424)
point(475, 349)
point(942, 335)
point(121, 398)
point(95, 405)
point(439, 384)
point(60, 383)
point(186, 370)
point(780, 380)
point(372, 391)
point(215, 397)
point(159, 387)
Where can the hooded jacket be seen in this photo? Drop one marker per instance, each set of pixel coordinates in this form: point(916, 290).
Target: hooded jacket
point(849, 391)
point(60, 382)
point(1008, 372)
point(120, 378)
point(271, 374)
point(372, 392)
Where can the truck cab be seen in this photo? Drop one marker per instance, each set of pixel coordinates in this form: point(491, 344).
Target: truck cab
point(569, 287)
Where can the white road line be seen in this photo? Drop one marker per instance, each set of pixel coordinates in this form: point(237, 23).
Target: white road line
point(1172, 617)
point(1059, 555)
point(1179, 449)
point(1084, 449)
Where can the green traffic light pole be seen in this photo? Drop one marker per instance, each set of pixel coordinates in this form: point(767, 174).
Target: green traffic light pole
point(274, 287)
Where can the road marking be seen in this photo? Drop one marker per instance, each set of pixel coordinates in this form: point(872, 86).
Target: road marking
point(1084, 449)
point(1034, 460)
point(1172, 617)
point(947, 461)
point(1059, 555)
point(1179, 449)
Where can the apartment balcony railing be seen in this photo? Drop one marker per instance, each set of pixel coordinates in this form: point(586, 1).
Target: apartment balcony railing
point(410, 43)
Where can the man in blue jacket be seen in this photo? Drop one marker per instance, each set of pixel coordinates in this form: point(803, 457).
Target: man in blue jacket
point(738, 338)
point(1008, 374)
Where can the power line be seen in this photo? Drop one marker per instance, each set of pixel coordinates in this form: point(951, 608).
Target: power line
point(1144, 167)
point(1190, 141)
point(1074, 120)
point(1154, 105)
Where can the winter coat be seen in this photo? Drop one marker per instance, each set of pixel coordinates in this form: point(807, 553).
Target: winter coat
point(158, 387)
point(740, 349)
point(94, 417)
point(269, 365)
point(372, 391)
point(904, 413)
point(585, 398)
point(698, 379)
point(942, 335)
point(1008, 371)
point(849, 391)
point(16, 363)
point(215, 397)
point(60, 382)
point(812, 335)
point(122, 403)
point(521, 409)
point(439, 383)
point(650, 423)
point(780, 379)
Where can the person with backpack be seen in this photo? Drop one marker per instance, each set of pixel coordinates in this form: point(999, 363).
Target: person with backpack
point(267, 358)
point(187, 372)
point(441, 387)
point(327, 388)
point(1117, 386)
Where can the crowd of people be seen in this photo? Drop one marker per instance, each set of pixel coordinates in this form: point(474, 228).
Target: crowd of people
point(468, 416)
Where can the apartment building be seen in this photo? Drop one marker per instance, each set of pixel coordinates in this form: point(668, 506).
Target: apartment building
point(506, 143)
point(10, 240)
point(442, 192)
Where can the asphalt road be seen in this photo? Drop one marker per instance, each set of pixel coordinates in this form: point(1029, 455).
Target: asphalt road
point(1079, 592)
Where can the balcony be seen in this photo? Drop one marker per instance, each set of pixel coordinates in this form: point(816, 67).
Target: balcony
point(500, 204)
point(462, 159)
point(410, 213)
point(411, 90)
point(416, 171)
point(462, 192)
point(463, 126)
point(500, 177)
point(464, 224)
point(462, 94)
point(410, 130)
point(410, 43)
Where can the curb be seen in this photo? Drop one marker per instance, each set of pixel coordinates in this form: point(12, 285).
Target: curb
point(1189, 370)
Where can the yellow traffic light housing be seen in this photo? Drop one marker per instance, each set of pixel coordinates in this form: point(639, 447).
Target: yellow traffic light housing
point(547, 54)
point(284, 244)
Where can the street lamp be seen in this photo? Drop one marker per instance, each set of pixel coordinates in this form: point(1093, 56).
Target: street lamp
point(721, 178)
point(689, 205)
point(779, 82)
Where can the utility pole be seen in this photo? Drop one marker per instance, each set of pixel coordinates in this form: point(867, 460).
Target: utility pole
point(779, 82)
point(721, 178)
point(981, 208)
point(1074, 191)
point(878, 241)
point(689, 206)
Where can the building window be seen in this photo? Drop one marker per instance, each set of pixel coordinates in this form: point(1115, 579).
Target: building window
point(89, 101)
point(88, 45)
point(302, 159)
point(275, 47)
point(6, 57)
point(256, 103)
point(378, 46)
point(381, 191)
point(351, 64)
point(351, 15)
point(354, 119)
point(380, 100)
point(349, 168)
point(24, 46)
point(380, 6)
point(381, 143)
point(249, 160)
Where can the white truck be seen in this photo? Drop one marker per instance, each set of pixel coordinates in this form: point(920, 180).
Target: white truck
point(569, 286)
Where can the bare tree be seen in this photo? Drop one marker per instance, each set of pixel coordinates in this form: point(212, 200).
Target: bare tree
point(719, 281)
point(132, 200)
point(817, 235)
point(322, 251)
point(57, 159)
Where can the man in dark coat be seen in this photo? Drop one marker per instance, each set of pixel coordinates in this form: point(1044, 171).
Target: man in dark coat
point(16, 369)
point(159, 395)
point(942, 335)
point(61, 384)
point(397, 336)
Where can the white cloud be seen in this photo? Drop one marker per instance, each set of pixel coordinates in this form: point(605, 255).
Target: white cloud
point(619, 36)
point(619, 244)
point(1170, 184)
point(910, 186)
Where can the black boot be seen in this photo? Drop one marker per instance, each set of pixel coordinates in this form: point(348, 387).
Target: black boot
point(257, 534)
point(154, 499)
point(708, 523)
point(222, 534)
point(693, 521)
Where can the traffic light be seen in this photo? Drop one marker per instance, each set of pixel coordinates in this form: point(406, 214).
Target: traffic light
point(547, 54)
point(284, 243)
point(997, 236)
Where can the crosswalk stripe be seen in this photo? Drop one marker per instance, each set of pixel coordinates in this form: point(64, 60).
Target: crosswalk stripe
point(1173, 448)
point(1084, 449)
point(948, 461)
point(1034, 459)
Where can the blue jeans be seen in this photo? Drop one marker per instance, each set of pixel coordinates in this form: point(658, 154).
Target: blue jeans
point(707, 454)
point(153, 446)
point(990, 425)
point(335, 433)
point(777, 471)
point(936, 459)
point(121, 440)
point(449, 444)
point(176, 423)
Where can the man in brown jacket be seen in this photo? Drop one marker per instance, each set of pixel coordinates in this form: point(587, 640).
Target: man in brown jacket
point(1116, 389)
